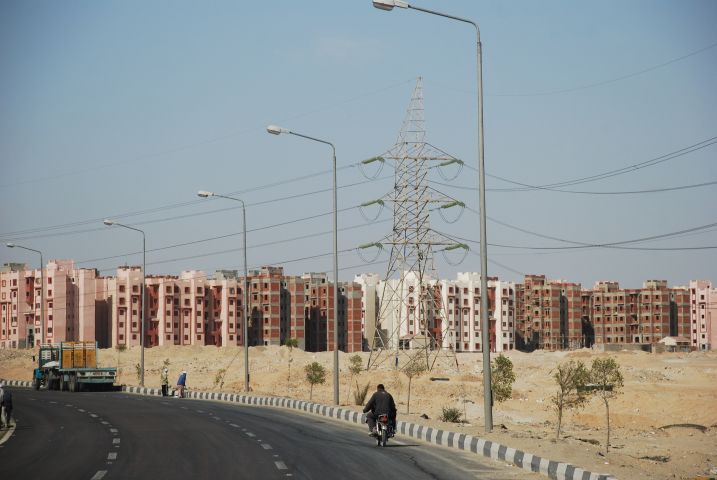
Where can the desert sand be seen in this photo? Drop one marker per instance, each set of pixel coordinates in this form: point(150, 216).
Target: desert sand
point(663, 424)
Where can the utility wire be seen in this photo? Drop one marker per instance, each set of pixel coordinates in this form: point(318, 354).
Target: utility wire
point(612, 173)
point(606, 82)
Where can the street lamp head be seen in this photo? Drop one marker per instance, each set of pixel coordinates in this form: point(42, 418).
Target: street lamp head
point(274, 130)
point(389, 4)
point(108, 222)
point(9, 244)
point(205, 194)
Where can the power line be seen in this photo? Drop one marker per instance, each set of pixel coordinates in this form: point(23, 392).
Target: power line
point(612, 173)
point(581, 245)
point(624, 192)
point(605, 82)
point(188, 215)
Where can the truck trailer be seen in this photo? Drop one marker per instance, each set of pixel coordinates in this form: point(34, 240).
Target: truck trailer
point(71, 366)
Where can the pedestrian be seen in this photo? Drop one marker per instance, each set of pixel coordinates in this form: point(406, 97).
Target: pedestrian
point(165, 381)
point(181, 383)
point(2, 409)
point(6, 403)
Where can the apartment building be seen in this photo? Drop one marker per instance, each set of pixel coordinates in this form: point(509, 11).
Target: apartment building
point(703, 314)
point(74, 305)
point(550, 314)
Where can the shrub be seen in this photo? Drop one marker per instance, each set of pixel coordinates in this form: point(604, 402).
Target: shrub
point(451, 414)
point(360, 393)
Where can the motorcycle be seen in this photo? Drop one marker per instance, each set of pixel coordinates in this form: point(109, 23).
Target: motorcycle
point(384, 429)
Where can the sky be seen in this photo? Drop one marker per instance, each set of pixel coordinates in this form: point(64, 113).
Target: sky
point(125, 109)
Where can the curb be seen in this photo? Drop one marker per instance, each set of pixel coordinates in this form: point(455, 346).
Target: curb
point(460, 441)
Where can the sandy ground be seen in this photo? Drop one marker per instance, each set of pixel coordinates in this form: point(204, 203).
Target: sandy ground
point(664, 424)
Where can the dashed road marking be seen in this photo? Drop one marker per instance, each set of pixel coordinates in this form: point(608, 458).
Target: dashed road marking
point(99, 475)
point(217, 418)
point(52, 401)
point(81, 410)
point(68, 405)
point(281, 465)
point(112, 456)
point(113, 430)
point(200, 411)
point(249, 434)
point(266, 446)
point(234, 425)
point(115, 441)
point(93, 415)
point(104, 422)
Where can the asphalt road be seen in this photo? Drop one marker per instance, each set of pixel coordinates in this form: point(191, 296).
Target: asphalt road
point(110, 435)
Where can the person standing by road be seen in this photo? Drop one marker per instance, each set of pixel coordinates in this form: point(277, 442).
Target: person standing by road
point(6, 404)
point(165, 381)
point(181, 383)
point(2, 409)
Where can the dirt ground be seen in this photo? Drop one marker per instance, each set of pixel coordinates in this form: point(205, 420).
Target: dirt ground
point(663, 425)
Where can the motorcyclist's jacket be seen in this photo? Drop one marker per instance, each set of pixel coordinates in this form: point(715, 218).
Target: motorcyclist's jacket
point(381, 402)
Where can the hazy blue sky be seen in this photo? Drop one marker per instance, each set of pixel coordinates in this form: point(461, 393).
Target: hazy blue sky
point(126, 109)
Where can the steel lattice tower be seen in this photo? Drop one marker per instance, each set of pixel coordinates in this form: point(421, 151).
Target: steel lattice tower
point(410, 315)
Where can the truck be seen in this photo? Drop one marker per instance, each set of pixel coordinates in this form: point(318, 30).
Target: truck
point(71, 366)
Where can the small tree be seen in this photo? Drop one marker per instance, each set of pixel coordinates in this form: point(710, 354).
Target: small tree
point(292, 343)
point(120, 347)
point(355, 367)
point(571, 378)
point(415, 368)
point(606, 380)
point(315, 374)
point(502, 378)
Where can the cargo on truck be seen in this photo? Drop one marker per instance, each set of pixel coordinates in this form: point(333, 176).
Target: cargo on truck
point(71, 366)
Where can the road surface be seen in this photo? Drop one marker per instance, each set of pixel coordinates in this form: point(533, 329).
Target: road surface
point(112, 435)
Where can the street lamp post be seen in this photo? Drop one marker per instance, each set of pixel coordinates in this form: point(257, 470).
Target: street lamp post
point(42, 291)
point(485, 325)
point(245, 331)
point(144, 274)
point(274, 130)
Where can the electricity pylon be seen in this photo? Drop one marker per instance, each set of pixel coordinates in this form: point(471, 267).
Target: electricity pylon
point(411, 319)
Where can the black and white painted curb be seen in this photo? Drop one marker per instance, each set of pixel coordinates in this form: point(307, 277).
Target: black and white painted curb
point(460, 441)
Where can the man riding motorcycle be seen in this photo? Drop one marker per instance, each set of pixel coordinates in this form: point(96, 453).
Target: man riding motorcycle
point(380, 403)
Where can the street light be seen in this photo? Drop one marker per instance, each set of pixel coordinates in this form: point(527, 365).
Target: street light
point(274, 130)
point(205, 194)
point(42, 291)
point(485, 325)
point(109, 223)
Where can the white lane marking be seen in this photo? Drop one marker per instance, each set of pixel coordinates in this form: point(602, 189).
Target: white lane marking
point(104, 422)
point(113, 430)
point(281, 465)
point(52, 401)
point(217, 418)
point(266, 446)
point(200, 411)
point(116, 440)
point(234, 425)
point(249, 434)
point(112, 456)
point(99, 475)
point(93, 415)
point(80, 410)
point(68, 405)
